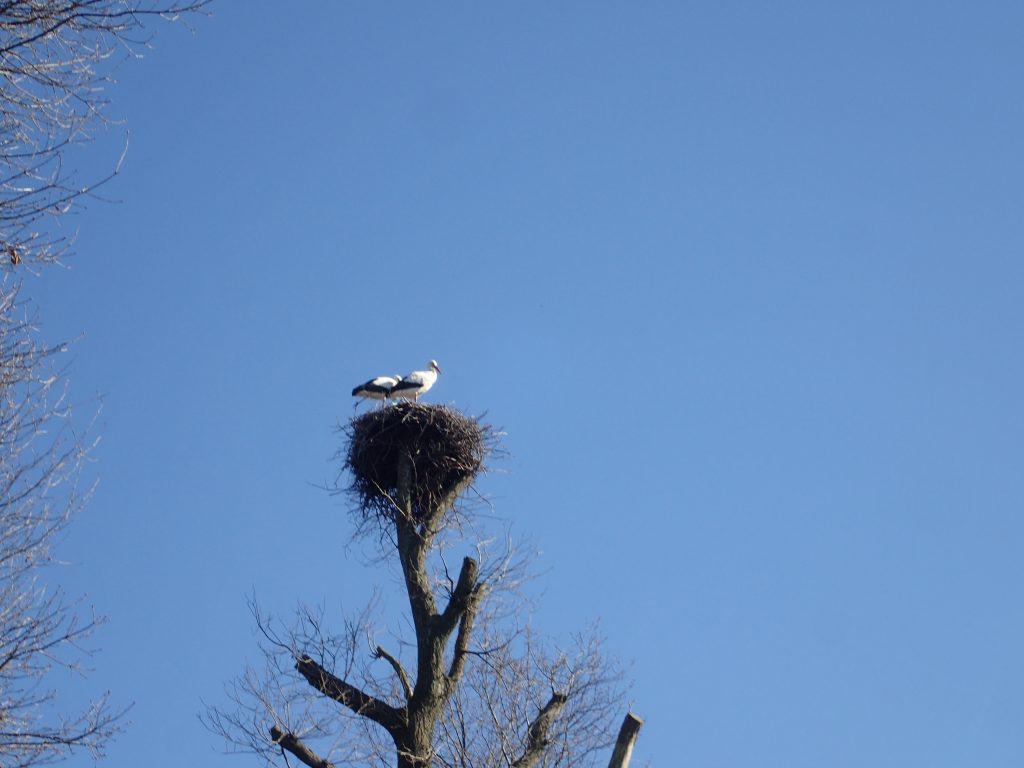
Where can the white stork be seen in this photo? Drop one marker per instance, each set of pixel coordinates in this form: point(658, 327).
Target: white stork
point(378, 388)
point(416, 383)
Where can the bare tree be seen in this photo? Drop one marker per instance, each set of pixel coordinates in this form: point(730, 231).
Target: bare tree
point(40, 629)
point(56, 57)
point(474, 685)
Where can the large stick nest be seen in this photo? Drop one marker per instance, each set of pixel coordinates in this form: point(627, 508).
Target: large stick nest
point(447, 450)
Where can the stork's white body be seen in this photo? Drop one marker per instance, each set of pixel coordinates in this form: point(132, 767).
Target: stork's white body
point(416, 383)
point(378, 388)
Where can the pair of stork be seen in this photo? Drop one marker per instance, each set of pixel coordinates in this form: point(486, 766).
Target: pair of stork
point(408, 387)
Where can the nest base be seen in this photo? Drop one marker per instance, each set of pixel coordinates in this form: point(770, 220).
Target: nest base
point(446, 449)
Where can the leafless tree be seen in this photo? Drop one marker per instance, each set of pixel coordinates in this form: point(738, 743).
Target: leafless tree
point(41, 631)
point(471, 685)
point(56, 57)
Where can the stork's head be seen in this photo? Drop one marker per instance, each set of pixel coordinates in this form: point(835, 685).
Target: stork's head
point(434, 366)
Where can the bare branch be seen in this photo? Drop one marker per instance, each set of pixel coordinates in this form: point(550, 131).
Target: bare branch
point(291, 743)
point(42, 452)
point(462, 638)
point(460, 598)
point(537, 733)
point(359, 702)
point(403, 677)
point(56, 60)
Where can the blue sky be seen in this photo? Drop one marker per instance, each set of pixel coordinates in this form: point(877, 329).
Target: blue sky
point(741, 281)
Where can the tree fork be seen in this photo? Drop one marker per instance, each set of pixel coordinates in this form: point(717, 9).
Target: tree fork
point(433, 683)
point(410, 463)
